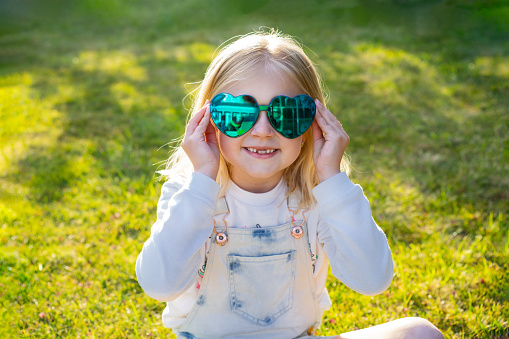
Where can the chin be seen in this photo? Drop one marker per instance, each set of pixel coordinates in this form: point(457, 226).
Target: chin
point(265, 175)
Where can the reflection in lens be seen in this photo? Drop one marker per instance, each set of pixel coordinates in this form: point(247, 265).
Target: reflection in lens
point(292, 116)
point(233, 116)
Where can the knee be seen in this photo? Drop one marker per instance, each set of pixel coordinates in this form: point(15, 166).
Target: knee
point(419, 328)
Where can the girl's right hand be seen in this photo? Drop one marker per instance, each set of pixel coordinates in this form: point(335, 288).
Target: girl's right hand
point(200, 143)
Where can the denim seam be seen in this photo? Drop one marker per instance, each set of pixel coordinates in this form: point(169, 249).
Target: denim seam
point(274, 229)
point(289, 298)
point(203, 289)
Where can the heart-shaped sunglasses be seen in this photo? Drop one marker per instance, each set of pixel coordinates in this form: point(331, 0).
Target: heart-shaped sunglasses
point(290, 117)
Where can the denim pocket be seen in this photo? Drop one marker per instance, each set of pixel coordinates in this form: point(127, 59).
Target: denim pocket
point(261, 288)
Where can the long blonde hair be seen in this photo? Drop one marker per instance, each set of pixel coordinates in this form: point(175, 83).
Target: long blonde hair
point(238, 61)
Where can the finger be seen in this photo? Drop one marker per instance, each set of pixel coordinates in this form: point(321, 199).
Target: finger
point(195, 120)
point(330, 118)
point(317, 131)
point(210, 132)
point(332, 121)
point(318, 139)
point(323, 123)
point(204, 122)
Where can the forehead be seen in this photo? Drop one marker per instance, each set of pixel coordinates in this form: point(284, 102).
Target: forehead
point(264, 87)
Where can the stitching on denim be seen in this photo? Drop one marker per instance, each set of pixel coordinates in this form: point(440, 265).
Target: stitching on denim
point(275, 229)
point(203, 289)
point(289, 293)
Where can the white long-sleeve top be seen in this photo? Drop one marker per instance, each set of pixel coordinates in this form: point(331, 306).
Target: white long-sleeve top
point(340, 226)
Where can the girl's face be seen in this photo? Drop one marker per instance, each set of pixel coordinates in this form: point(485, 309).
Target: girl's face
point(259, 157)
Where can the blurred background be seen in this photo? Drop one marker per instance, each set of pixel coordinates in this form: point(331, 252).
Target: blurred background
point(92, 93)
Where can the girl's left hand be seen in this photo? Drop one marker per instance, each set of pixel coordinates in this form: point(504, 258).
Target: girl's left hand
point(329, 142)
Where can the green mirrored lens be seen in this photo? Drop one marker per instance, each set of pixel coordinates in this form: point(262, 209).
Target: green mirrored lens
point(292, 116)
point(233, 116)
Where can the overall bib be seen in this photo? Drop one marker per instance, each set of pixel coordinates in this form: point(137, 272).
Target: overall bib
point(258, 285)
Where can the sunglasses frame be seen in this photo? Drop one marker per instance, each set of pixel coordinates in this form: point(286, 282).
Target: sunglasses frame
point(266, 108)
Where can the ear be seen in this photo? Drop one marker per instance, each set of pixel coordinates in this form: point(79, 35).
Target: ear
point(305, 137)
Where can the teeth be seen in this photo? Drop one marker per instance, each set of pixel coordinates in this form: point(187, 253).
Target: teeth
point(260, 151)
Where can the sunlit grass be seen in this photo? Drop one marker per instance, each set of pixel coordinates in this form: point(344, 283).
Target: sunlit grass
point(87, 101)
point(25, 118)
point(116, 63)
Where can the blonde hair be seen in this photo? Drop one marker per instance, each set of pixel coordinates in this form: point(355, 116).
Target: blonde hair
point(238, 61)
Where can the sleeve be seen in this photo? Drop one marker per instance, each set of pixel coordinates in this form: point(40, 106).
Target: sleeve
point(357, 248)
point(170, 258)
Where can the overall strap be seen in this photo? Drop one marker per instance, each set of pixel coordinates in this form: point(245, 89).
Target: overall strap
point(294, 200)
point(221, 206)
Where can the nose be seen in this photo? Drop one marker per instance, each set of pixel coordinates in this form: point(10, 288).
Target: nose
point(262, 128)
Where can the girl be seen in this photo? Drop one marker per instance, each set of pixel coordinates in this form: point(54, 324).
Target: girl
point(259, 203)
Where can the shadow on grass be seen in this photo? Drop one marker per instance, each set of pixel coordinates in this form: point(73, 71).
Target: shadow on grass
point(447, 135)
point(425, 131)
point(422, 84)
point(409, 81)
point(119, 100)
point(420, 88)
point(117, 121)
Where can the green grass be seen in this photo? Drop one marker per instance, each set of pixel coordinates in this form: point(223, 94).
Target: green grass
point(90, 90)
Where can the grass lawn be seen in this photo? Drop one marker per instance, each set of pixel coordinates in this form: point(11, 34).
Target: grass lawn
point(92, 92)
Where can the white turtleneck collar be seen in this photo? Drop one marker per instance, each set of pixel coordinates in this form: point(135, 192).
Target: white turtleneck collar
point(256, 199)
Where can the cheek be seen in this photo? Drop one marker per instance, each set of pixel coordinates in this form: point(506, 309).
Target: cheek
point(228, 147)
point(223, 141)
point(294, 148)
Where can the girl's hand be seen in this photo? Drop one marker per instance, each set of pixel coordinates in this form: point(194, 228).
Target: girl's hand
point(200, 143)
point(329, 143)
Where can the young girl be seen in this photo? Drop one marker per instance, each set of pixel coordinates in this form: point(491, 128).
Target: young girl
point(259, 203)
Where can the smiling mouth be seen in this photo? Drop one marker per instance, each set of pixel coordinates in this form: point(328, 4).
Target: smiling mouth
point(261, 151)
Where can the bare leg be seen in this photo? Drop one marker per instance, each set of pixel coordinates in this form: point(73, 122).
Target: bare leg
point(405, 328)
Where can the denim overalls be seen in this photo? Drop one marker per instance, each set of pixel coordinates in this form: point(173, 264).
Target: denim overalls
point(258, 285)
